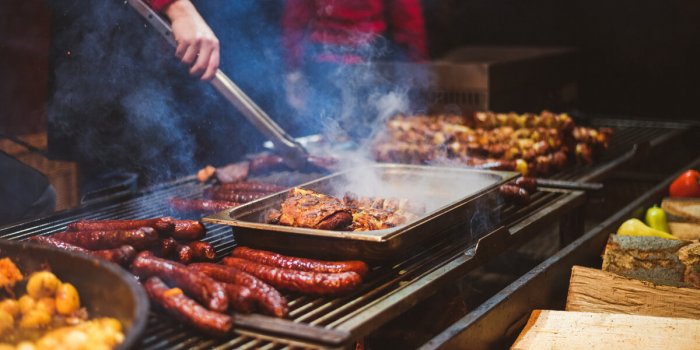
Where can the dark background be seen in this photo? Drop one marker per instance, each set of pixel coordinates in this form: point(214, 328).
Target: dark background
point(638, 58)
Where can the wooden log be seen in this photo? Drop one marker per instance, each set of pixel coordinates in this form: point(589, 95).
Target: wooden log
point(661, 261)
point(685, 230)
point(591, 331)
point(682, 209)
point(593, 290)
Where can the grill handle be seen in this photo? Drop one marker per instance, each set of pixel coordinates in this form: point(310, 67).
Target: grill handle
point(294, 153)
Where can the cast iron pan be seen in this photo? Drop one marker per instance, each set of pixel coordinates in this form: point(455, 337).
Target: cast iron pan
point(106, 290)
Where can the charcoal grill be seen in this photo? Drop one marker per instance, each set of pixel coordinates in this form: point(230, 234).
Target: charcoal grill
point(316, 322)
point(392, 289)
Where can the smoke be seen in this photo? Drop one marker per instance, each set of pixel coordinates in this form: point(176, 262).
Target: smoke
point(121, 101)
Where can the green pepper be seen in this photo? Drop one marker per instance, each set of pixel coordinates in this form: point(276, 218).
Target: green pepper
point(656, 219)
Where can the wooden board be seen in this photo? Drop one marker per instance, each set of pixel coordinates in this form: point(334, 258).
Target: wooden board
point(661, 261)
point(593, 290)
point(591, 331)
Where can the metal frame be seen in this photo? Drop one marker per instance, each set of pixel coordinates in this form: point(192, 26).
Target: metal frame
point(496, 322)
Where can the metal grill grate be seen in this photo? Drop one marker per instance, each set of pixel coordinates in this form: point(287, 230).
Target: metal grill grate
point(329, 313)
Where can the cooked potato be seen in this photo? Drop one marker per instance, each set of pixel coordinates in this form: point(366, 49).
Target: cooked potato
point(67, 299)
point(26, 304)
point(6, 322)
point(46, 304)
point(11, 306)
point(35, 319)
point(42, 284)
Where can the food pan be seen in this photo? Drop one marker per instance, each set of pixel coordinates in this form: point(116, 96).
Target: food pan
point(460, 203)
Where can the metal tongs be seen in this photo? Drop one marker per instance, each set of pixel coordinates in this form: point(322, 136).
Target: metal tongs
point(295, 154)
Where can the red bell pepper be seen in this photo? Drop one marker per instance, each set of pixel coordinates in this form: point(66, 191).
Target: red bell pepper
point(686, 185)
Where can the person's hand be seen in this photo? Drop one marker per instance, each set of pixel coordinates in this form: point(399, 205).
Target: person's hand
point(197, 46)
point(296, 89)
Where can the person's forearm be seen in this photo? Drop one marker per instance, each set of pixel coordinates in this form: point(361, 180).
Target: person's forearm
point(178, 9)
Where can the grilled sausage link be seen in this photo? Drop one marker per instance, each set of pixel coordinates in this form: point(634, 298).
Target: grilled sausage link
point(189, 230)
point(527, 183)
point(252, 186)
point(167, 247)
point(201, 287)
point(233, 196)
point(202, 251)
point(175, 302)
point(301, 264)
point(265, 163)
point(164, 225)
point(514, 194)
point(122, 255)
point(240, 298)
point(268, 298)
point(201, 205)
point(315, 283)
point(140, 239)
point(183, 253)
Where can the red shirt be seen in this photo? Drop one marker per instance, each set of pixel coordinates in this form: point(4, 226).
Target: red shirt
point(159, 5)
point(351, 23)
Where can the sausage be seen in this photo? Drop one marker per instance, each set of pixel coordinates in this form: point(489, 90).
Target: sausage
point(201, 205)
point(233, 196)
point(515, 194)
point(265, 163)
point(183, 253)
point(202, 251)
point(316, 283)
point(168, 247)
point(240, 298)
point(201, 287)
point(233, 172)
point(268, 298)
point(50, 241)
point(164, 225)
point(189, 230)
point(140, 239)
point(301, 264)
point(175, 302)
point(526, 182)
point(325, 163)
point(121, 255)
point(252, 186)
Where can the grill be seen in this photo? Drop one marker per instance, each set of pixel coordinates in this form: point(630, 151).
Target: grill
point(391, 289)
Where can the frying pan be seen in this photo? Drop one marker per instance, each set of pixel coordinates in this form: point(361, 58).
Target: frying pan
point(105, 289)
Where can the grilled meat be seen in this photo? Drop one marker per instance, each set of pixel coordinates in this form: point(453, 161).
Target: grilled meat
point(305, 208)
point(530, 144)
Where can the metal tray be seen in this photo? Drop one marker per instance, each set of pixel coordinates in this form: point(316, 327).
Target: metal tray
point(458, 202)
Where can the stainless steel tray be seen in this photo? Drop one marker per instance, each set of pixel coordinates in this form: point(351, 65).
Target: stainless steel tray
point(461, 203)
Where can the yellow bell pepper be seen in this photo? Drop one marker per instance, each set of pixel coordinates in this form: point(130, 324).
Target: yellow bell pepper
point(656, 219)
point(635, 227)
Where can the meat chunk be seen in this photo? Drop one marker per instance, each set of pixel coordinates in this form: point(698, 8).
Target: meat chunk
point(306, 208)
